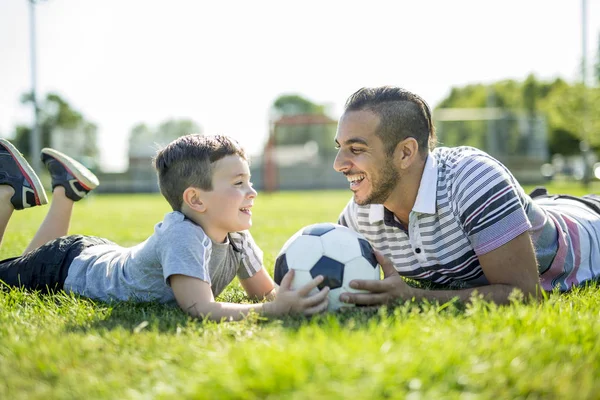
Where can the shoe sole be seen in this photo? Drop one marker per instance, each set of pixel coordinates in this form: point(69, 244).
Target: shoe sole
point(85, 177)
point(28, 173)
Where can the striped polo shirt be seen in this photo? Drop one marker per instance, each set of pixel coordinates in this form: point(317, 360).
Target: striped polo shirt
point(469, 204)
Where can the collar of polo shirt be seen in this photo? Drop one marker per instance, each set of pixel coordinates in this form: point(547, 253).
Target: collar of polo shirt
point(426, 196)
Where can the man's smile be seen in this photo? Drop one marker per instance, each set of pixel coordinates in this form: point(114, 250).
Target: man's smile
point(355, 180)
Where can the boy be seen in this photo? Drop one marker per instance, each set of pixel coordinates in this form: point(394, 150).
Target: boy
point(194, 253)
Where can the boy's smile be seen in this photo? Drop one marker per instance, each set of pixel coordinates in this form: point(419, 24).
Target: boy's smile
point(246, 210)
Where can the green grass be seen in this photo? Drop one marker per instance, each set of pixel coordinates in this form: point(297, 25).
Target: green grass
point(63, 346)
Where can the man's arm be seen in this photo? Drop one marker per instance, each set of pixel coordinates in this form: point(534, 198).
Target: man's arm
point(509, 267)
point(195, 297)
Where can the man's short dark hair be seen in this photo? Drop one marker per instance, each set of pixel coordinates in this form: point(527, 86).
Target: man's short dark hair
point(402, 114)
point(188, 162)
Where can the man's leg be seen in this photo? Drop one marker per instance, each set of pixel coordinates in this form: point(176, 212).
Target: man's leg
point(19, 185)
point(71, 181)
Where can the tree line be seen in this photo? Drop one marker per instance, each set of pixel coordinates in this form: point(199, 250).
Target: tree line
point(570, 109)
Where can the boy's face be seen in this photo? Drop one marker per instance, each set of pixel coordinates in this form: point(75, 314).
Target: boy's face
point(229, 204)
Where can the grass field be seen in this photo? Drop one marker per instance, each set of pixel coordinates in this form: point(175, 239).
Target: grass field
point(62, 346)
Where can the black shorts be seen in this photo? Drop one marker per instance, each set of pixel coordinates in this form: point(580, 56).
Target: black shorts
point(46, 268)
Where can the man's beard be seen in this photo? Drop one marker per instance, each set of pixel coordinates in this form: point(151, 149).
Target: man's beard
point(383, 185)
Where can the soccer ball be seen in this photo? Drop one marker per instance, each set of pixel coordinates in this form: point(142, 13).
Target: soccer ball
point(334, 251)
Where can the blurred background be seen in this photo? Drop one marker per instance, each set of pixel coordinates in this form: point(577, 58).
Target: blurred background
point(109, 82)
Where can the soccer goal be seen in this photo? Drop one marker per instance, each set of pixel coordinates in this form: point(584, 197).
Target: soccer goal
point(516, 138)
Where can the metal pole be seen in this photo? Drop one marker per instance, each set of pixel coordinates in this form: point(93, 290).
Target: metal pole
point(34, 142)
point(585, 144)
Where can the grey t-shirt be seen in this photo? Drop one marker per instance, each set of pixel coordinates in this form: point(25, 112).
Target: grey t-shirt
point(178, 246)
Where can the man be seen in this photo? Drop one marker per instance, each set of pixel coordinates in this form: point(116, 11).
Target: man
point(455, 217)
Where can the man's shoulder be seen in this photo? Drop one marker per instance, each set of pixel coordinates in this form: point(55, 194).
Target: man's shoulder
point(453, 156)
point(453, 162)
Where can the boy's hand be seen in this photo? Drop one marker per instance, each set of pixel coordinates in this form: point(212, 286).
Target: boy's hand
point(290, 301)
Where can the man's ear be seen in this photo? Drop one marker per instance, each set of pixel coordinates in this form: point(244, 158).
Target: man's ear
point(193, 198)
point(406, 153)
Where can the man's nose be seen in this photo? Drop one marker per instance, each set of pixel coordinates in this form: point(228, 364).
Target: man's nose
point(340, 163)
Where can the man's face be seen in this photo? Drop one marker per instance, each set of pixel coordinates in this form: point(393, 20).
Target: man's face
point(229, 203)
point(362, 158)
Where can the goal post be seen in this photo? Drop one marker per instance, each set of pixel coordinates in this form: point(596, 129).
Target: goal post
point(516, 138)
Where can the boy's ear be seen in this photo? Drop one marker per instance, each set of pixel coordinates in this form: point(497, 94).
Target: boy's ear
point(192, 197)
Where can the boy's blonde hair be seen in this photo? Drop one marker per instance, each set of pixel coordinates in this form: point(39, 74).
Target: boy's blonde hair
point(188, 162)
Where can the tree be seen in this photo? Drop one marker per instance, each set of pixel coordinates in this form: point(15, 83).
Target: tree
point(57, 117)
point(293, 104)
point(569, 112)
point(172, 129)
point(299, 121)
point(144, 139)
point(557, 100)
point(530, 94)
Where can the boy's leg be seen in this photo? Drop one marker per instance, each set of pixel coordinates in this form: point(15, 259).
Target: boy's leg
point(46, 268)
point(6, 209)
point(71, 181)
point(19, 185)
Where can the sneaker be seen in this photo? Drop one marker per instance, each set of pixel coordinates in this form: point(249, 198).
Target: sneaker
point(68, 173)
point(15, 171)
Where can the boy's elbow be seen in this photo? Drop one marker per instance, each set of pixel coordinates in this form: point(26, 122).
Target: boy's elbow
point(198, 310)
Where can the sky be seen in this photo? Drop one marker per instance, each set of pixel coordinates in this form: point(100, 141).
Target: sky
point(223, 63)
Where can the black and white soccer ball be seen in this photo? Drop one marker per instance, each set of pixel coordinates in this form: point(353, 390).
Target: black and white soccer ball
point(334, 251)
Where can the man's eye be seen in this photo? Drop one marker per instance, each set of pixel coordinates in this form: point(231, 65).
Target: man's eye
point(355, 150)
point(239, 183)
point(337, 147)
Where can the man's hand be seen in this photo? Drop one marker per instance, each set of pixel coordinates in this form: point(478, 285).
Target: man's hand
point(391, 288)
point(290, 301)
point(509, 267)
